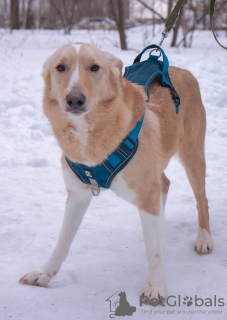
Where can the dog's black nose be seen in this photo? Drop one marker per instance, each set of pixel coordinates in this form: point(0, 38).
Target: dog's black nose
point(75, 100)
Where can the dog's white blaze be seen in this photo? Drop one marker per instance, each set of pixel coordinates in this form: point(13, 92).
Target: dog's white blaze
point(75, 76)
point(82, 131)
point(154, 237)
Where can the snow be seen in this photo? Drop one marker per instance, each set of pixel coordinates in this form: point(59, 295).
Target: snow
point(108, 254)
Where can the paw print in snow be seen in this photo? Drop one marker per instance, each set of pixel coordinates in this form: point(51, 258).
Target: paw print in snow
point(188, 301)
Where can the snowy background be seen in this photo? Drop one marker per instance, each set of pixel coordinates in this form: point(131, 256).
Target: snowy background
point(108, 254)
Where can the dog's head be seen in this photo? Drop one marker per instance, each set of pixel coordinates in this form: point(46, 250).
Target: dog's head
point(80, 77)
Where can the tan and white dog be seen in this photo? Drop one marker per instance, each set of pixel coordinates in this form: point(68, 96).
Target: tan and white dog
point(92, 109)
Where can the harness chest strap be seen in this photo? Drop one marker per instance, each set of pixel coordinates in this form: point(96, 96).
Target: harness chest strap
point(103, 174)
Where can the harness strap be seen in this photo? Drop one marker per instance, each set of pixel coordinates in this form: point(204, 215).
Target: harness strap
point(103, 174)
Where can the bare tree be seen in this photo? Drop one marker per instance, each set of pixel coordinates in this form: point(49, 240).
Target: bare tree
point(29, 22)
point(14, 15)
point(181, 21)
point(151, 9)
point(65, 10)
point(176, 29)
point(41, 14)
point(5, 10)
point(117, 10)
point(191, 29)
point(177, 24)
point(184, 23)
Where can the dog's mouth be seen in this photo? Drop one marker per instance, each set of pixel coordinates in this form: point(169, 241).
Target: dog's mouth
point(78, 111)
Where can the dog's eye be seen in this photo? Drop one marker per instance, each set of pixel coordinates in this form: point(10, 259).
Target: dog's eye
point(95, 68)
point(60, 67)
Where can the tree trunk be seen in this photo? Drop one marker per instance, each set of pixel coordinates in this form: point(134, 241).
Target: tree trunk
point(153, 20)
point(29, 19)
point(226, 25)
point(117, 10)
point(121, 27)
point(6, 20)
point(59, 13)
point(23, 14)
point(204, 18)
point(184, 26)
point(14, 14)
point(175, 29)
point(41, 18)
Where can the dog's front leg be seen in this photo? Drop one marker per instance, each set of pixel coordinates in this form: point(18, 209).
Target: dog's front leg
point(154, 237)
point(77, 203)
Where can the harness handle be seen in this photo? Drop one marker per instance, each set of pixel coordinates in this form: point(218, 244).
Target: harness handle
point(152, 46)
point(164, 57)
point(163, 68)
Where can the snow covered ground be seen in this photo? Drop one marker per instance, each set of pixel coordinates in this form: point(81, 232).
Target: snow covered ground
point(108, 253)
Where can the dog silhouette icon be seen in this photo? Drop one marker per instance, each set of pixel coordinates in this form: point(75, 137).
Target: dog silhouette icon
point(124, 308)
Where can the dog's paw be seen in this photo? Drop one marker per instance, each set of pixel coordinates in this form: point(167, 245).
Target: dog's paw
point(204, 242)
point(156, 292)
point(36, 278)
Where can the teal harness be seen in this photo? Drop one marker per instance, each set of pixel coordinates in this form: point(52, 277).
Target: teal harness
point(142, 73)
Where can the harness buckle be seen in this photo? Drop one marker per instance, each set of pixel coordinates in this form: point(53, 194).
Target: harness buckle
point(95, 188)
point(176, 98)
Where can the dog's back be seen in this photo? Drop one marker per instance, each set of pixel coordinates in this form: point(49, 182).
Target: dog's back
point(177, 132)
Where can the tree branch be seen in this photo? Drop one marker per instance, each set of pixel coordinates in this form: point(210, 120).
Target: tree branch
point(58, 11)
point(191, 28)
point(151, 9)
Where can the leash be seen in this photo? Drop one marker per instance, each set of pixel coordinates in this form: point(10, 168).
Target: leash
point(174, 15)
point(171, 20)
point(212, 4)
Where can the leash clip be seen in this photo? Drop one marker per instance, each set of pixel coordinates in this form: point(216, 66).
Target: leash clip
point(165, 34)
point(95, 188)
point(156, 50)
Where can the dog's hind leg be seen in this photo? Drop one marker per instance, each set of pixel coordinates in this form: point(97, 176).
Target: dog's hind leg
point(77, 203)
point(192, 157)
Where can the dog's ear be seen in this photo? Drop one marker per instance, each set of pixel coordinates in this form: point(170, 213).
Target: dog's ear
point(46, 68)
point(115, 63)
